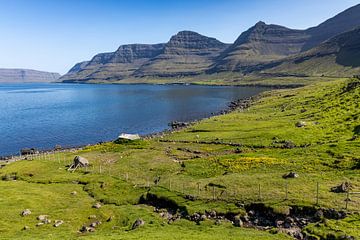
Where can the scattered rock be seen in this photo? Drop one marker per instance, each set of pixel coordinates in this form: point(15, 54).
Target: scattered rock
point(42, 217)
point(92, 217)
point(26, 212)
point(97, 205)
point(300, 124)
point(58, 223)
point(290, 175)
point(342, 188)
point(39, 224)
point(139, 222)
point(26, 228)
point(84, 229)
point(79, 162)
point(110, 219)
point(217, 222)
point(237, 221)
point(95, 224)
point(73, 193)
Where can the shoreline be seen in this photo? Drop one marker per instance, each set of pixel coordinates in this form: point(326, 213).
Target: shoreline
point(242, 104)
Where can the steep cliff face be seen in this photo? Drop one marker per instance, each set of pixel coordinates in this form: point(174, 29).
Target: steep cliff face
point(339, 56)
point(260, 44)
point(187, 53)
point(343, 22)
point(114, 65)
point(26, 75)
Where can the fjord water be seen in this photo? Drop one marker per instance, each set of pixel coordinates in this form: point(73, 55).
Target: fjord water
point(44, 115)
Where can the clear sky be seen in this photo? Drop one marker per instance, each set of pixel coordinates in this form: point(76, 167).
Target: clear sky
point(52, 35)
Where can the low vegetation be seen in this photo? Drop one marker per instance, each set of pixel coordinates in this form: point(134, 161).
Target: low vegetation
point(214, 170)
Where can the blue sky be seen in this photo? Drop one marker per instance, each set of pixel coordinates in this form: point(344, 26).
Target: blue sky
point(52, 35)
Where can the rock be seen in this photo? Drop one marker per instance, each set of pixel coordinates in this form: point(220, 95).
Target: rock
point(26, 228)
point(58, 223)
point(342, 188)
point(319, 214)
point(26, 212)
point(203, 217)
point(289, 222)
point(300, 124)
point(290, 175)
point(97, 205)
point(217, 222)
point(42, 217)
point(47, 221)
point(92, 217)
point(73, 193)
point(139, 222)
point(84, 229)
point(238, 222)
point(39, 224)
point(110, 219)
point(79, 162)
point(95, 224)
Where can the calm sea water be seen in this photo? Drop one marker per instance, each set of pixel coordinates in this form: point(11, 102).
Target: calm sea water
point(44, 115)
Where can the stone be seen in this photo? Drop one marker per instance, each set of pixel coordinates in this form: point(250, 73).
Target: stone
point(290, 175)
point(26, 212)
point(58, 223)
point(237, 221)
point(73, 193)
point(95, 224)
point(97, 205)
point(39, 224)
point(26, 228)
point(92, 217)
point(300, 124)
point(110, 219)
point(342, 188)
point(42, 217)
point(139, 222)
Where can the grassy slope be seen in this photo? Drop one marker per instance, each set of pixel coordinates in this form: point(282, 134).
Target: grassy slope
point(188, 160)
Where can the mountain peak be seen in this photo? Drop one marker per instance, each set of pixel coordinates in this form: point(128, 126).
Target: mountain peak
point(260, 23)
point(193, 40)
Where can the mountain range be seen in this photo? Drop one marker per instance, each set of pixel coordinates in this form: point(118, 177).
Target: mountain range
point(9, 75)
point(330, 49)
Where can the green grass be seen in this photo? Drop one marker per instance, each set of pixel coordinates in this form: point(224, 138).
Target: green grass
point(236, 153)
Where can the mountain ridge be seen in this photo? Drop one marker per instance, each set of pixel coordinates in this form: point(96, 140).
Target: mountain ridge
point(20, 75)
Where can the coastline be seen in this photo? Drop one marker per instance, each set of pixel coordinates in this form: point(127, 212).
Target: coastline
point(242, 104)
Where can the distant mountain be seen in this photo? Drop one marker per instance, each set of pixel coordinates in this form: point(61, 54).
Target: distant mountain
point(343, 22)
point(115, 65)
point(187, 53)
point(264, 47)
point(260, 44)
point(339, 56)
point(9, 75)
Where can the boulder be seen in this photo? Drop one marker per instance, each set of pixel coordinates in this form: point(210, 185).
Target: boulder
point(58, 223)
point(95, 224)
point(73, 193)
point(342, 188)
point(25, 212)
point(237, 221)
point(139, 222)
point(300, 124)
point(290, 175)
point(80, 162)
point(39, 224)
point(26, 228)
point(97, 205)
point(42, 217)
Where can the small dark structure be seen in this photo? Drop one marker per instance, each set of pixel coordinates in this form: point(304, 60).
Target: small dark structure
point(342, 188)
point(290, 175)
point(28, 151)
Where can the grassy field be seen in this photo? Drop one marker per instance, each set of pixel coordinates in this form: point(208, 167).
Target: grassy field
point(219, 164)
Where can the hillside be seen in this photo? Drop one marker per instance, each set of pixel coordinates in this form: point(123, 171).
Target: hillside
point(115, 65)
point(186, 53)
point(339, 56)
point(260, 44)
point(9, 75)
point(220, 178)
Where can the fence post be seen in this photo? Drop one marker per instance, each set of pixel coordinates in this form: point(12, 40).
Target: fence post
point(286, 190)
point(170, 184)
point(317, 193)
point(198, 187)
point(259, 192)
point(347, 200)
